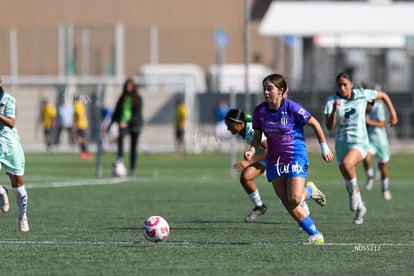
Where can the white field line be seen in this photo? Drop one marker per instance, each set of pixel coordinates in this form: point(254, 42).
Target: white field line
point(77, 182)
point(361, 246)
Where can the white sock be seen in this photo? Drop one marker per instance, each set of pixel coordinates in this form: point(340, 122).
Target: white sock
point(2, 190)
point(303, 198)
point(370, 173)
point(255, 198)
point(385, 184)
point(21, 200)
point(305, 207)
point(351, 185)
point(360, 202)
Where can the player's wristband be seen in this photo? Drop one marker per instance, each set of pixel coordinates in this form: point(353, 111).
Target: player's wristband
point(324, 149)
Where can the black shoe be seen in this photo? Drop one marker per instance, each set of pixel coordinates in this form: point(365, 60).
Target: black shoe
point(257, 211)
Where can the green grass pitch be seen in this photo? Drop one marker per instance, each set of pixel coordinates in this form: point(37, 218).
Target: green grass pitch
point(84, 225)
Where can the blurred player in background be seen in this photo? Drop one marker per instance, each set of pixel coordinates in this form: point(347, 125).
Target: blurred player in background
point(128, 115)
point(240, 123)
point(12, 159)
point(378, 147)
point(346, 110)
point(181, 112)
point(81, 127)
point(65, 118)
point(106, 116)
point(282, 121)
point(48, 119)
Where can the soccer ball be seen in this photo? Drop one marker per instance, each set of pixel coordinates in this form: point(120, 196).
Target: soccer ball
point(119, 169)
point(155, 229)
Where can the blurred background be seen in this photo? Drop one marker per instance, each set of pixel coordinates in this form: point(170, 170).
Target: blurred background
point(200, 52)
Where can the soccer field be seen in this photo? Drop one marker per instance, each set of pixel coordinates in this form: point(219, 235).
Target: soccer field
point(83, 225)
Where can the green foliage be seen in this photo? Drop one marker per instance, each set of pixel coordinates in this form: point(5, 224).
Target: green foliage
point(83, 225)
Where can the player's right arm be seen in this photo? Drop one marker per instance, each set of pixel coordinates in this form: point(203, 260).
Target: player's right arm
point(7, 121)
point(330, 118)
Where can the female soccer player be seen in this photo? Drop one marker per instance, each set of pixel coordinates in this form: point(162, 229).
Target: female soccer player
point(12, 158)
point(128, 115)
point(379, 147)
point(346, 109)
point(282, 121)
point(240, 123)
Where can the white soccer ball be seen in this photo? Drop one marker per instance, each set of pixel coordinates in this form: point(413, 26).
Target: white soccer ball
point(119, 169)
point(155, 229)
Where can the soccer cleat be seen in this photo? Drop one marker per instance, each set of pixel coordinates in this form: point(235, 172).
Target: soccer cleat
point(84, 155)
point(353, 198)
point(4, 201)
point(23, 224)
point(315, 240)
point(353, 201)
point(386, 195)
point(317, 195)
point(369, 184)
point(359, 216)
point(257, 211)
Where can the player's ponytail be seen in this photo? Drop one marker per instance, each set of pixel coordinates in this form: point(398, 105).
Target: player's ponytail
point(247, 118)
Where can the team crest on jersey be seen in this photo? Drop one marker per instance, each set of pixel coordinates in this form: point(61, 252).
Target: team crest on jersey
point(284, 119)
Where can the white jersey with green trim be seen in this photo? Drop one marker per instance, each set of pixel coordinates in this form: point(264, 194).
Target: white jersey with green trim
point(377, 135)
point(350, 115)
point(9, 138)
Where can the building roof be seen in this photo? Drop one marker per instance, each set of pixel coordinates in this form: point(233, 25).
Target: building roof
point(337, 18)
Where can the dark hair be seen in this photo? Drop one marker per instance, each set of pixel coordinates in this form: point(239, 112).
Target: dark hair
point(235, 115)
point(134, 92)
point(278, 80)
point(343, 75)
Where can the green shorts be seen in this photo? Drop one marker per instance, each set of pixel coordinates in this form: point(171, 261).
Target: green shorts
point(342, 148)
point(13, 162)
point(381, 152)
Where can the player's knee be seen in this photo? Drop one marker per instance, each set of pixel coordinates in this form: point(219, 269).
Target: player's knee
point(294, 200)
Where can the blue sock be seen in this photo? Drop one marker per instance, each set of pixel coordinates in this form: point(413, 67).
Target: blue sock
point(309, 189)
point(309, 226)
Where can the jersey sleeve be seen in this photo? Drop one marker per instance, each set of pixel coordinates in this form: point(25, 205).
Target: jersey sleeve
point(370, 94)
point(302, 115)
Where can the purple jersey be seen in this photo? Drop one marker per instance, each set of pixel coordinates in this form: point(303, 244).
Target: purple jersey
point(284, 131)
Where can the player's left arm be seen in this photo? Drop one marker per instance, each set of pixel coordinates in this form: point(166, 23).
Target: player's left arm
point(369, 122)
point(387, 101)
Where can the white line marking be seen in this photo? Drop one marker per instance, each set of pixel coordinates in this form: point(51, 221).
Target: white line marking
point(67, 243)
point(79, 182)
